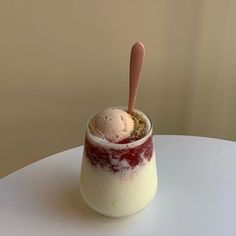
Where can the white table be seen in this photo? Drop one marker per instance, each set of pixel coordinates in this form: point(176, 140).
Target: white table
point(196, 196)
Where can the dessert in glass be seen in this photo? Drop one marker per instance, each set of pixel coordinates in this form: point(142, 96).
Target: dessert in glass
point(118, 173)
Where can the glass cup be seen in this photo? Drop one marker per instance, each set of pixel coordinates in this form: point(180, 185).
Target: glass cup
point(118, 179)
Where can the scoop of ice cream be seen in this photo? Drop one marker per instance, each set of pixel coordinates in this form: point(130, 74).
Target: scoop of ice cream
point(112, 124)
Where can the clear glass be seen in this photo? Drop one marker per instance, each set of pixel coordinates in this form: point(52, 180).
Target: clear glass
point(118, 179)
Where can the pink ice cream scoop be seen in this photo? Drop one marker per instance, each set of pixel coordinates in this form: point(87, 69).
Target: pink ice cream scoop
point(112, 124)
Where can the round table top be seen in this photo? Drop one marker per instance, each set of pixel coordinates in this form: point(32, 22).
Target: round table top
point(196, 195)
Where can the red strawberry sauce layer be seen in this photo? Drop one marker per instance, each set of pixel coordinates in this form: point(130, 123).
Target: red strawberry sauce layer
point(114, 159)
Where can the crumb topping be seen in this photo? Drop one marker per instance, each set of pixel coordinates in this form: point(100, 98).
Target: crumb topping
point(140, 127)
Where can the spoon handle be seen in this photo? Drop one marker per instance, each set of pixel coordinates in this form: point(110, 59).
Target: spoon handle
point(136, 64)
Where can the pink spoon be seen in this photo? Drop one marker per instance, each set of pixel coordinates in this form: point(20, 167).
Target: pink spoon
point(136, 64)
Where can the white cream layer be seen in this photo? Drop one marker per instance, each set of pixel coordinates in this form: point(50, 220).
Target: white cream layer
point(118, 194)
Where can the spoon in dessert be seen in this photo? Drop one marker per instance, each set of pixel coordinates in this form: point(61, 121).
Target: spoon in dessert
point(136, 64)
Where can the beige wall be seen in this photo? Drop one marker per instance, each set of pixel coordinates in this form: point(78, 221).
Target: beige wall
point(61, 61)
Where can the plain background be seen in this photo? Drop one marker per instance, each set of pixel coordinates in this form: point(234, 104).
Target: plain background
point(62, 61)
